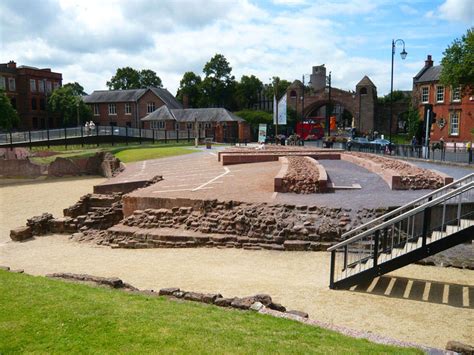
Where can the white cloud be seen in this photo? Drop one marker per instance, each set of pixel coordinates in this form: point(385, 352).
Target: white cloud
point(455, 11)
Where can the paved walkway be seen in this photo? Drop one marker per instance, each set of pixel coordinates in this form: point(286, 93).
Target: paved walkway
point(201, 176)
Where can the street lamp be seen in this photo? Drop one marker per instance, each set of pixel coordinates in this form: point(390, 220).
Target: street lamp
point(403, 55)
point(302, 96)
point(328, 111)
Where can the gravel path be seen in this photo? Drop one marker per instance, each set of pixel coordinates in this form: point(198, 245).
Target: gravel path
point(298, 279)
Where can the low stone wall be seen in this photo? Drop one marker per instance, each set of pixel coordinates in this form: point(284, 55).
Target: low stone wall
point(111, 187)
point(102, 163)
point(279, 151)
point(21, 168)
point(302, 175)
point(211, 223)
point(399, 175)
point(263, 156)
point(92, 211)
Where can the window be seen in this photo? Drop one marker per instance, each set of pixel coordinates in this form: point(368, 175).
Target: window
point(96, 110)
point(33, 103)
point(41, 85)
point(2, 83)
point(157, 124)
point(32, 85)
point(11, 84)
point(35, 122)
point(363, 91)
point(454, 123)
point(440, 93)
point(207, 125)
point(189, 126)
point(48, 87)
point(456, 94)
point(42, 104)
point(176, 126)
point(128, 108)
point(150, 107)
point(425, 94)
point(56, 86)
point(112, 109)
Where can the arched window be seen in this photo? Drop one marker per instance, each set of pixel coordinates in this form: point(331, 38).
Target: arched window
point(363, 91)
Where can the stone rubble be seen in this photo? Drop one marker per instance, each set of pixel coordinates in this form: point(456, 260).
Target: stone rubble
point(302, 177)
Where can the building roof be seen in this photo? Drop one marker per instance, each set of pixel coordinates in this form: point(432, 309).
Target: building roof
point(192, 114)
point(365, 81)
point(430, 74)
point(131, 95)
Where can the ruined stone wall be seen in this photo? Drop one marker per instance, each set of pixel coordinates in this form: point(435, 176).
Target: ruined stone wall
point(212, 223)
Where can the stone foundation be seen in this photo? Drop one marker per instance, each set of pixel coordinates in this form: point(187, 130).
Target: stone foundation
point(302, 175)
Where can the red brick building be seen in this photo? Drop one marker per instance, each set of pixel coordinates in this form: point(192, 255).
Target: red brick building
point(454, 112)
point(28, 89)
point(125, 108)
point(219, 123)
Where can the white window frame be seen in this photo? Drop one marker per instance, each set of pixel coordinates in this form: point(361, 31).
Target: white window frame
point(3, 84)
point(150, 107)
point(128, 108)
point(157, 124)
point(49, 87)
point(32, 85)
point(423, 88)
point(207, 125)
point(96, 110)
point(41, 86)
point(454, 123)
point(189, 125)
point(456, 94)
point(112, 110)
point(440, 93)
point(11, 84)
point(176, 126)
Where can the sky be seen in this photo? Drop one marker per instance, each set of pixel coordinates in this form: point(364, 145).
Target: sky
point(87, 40)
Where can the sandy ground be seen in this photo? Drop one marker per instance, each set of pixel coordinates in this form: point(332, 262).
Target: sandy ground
point(298, 280)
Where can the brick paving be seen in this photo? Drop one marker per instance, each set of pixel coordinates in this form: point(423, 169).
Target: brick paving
point(201, 176)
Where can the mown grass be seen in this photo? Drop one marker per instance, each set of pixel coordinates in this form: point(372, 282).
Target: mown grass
point(126, 153)
point(48, 316)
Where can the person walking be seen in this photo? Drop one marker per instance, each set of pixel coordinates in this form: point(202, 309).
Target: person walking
point(469, 151)
point(86, 128)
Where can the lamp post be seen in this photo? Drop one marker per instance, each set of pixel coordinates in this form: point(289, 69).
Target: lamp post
point(328, 111)
point(403, 55)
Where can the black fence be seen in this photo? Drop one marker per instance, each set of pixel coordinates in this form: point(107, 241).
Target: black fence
point(456, 153)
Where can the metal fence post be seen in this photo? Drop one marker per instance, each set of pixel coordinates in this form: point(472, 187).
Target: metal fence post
point(140, 134)
point(65, 138)
point(376, 247)
point(97, 134)
point(11, 141)
point(126, 135)
point(189, 136)
point(29, 139)
point(166, 136)
point(47, 136)
point(112, 134)
point(82, 136)
point(177, 136)
point(153, 136)
point(333, 266)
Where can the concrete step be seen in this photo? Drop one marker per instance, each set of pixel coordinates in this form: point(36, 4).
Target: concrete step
point(437, 235)
point(466, 223)
point(453, 229)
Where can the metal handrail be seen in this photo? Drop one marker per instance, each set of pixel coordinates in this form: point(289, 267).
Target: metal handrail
point(395, 211)
point(405, 215)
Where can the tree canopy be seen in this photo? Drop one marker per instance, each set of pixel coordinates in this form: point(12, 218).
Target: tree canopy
point(77, 88)
point(190, 85)
point(458, 63)
point(219, 84)
point(129, 78)
point(8, 115)
point(69, 105)
point(247, 90)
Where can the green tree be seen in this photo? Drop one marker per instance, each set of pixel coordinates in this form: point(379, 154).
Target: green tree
point(218, 86)
point(129, 78)
point(281, 84)
point(398, 96)
point(414, 123)
point(77, 88)
point(190, 85)
point(458, 63)
point(247, 91)
point(148, 78)
point(254, 117)
point(69, 106)
point(8, 115)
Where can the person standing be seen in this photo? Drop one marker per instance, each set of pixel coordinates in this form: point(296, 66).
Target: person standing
point(86, 128)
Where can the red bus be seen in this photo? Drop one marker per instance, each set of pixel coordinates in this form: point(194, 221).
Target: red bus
point(311, 126)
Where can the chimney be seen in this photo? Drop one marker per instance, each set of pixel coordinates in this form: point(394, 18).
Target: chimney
point(11, 64)
point(428, 61)
point(185, 101)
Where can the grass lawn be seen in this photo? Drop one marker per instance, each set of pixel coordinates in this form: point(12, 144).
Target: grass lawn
point(123, 152)
point(50, 316)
